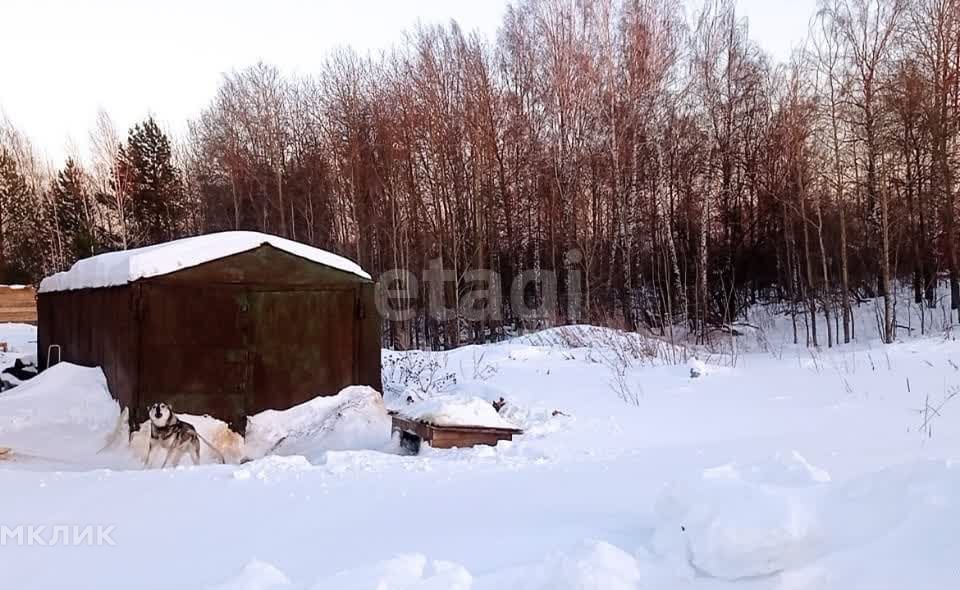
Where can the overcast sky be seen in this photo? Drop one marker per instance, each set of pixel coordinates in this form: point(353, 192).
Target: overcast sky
point(62, 60)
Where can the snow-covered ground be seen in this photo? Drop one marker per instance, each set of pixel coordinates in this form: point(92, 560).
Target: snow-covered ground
point(775, 468)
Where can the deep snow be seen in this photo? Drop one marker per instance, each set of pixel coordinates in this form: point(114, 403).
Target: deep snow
point(775, 468)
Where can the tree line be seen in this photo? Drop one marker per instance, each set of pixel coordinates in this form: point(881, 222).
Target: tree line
point(666, 162)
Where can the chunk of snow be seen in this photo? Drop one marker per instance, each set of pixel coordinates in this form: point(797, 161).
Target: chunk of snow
point(126, 266)
point(730, 529)
point(452, 410)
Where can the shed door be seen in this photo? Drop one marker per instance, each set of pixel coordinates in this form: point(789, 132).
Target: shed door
point(194, 350)
point(305, 345)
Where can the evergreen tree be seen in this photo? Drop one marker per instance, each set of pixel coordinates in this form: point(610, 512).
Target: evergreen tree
point(72, 214)
point(23, 233)
point(156, 191)
point(11, 185)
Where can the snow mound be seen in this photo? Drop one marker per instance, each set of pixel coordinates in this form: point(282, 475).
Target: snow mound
point(454, 410)
point(353, 419)
point(723, 527)
point(404, 572)
point(256, 575)
point(64, 411)
point(593, 565)
point(126, 266)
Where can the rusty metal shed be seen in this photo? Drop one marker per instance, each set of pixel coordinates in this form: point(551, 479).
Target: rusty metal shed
point(244, 322)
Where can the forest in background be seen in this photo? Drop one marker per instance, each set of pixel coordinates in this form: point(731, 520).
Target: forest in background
point(660, 158)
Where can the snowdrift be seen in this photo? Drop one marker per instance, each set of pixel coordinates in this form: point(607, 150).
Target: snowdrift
point(353, 419)
point(744, 521)
point(64, 412)
point(66, 415)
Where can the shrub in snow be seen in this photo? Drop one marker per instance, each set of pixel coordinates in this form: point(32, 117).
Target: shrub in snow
point(415, 375)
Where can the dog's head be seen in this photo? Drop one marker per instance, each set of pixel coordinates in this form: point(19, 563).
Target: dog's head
point(161, 414)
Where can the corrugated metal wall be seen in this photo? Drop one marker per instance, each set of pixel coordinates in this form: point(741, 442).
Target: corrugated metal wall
point(93, 327)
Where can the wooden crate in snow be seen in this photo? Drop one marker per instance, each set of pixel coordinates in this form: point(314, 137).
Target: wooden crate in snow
point(412, 432)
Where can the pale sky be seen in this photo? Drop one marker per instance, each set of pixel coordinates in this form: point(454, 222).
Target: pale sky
point(62, 60)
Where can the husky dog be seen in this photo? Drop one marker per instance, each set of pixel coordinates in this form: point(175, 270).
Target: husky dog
point(177, 437)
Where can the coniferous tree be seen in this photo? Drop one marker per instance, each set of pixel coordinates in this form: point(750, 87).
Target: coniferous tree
point(22, 232)
point(72, 214)
point(156, 193)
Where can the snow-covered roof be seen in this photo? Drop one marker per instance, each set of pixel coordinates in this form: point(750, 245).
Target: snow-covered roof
point(455, 410)
point(125, 266)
